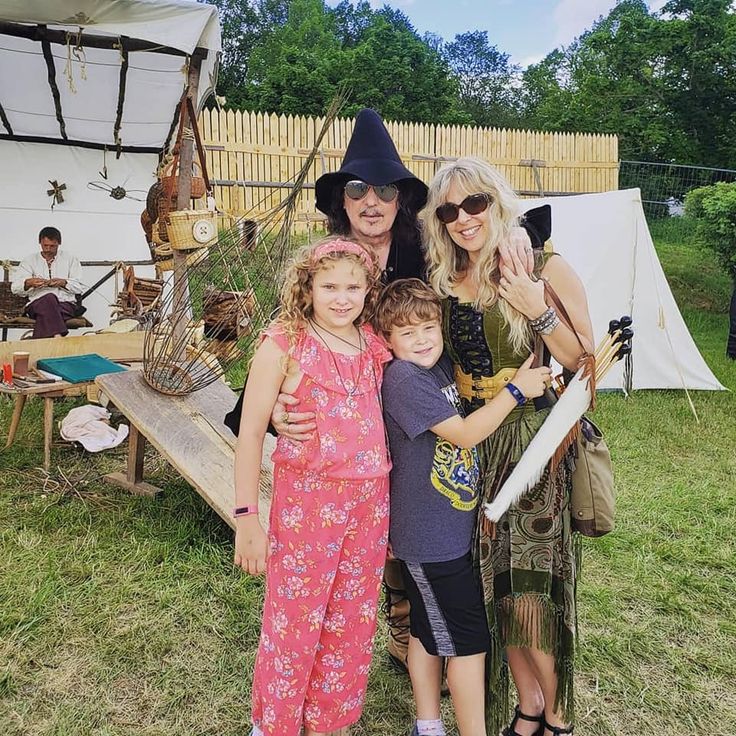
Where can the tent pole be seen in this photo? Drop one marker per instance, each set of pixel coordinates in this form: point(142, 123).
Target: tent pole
point(181, 307)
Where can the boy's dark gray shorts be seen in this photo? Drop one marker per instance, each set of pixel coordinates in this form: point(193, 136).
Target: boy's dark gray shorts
point(447, 612)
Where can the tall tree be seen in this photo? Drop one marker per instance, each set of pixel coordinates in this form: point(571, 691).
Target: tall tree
point(487, 81)
point(606, 81)
point(352, 21)
point(297, 67)
point(241, 30)
point(699, 77)
point(395, 72)
point(666, 84)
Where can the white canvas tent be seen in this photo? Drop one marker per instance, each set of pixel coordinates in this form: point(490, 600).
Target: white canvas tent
point(69, 103)
point(606, 239)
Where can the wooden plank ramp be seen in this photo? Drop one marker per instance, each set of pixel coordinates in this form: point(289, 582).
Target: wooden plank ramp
point(188, 432)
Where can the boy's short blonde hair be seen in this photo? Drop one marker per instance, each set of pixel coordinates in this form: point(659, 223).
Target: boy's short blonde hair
point(406, 302)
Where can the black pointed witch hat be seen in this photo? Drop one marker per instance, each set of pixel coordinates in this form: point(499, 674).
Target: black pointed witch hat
point(372, 157)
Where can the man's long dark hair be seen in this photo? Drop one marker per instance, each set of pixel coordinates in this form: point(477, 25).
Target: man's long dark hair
point(404, 232)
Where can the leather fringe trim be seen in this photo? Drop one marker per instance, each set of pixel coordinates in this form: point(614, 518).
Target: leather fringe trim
point(529, 621)
point(563, 447)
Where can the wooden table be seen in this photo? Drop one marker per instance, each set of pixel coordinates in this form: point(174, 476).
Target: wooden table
point(48, 392)
point(189, 433)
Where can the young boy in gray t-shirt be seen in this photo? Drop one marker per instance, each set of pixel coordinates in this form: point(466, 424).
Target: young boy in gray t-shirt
point(434, 499)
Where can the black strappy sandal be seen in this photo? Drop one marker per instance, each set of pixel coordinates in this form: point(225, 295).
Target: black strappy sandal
point(510, 730)
point(558, 730)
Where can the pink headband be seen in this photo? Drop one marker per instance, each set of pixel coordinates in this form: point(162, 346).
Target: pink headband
point(343, 246)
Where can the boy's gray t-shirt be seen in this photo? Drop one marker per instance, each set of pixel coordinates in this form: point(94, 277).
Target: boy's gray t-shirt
point(434, 483)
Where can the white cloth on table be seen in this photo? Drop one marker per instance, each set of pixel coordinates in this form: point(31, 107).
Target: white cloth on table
point(89, 426)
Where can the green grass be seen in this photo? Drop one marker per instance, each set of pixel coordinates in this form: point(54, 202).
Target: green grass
point(123, 615)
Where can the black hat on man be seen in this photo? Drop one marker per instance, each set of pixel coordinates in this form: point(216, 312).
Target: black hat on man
point(372, 157)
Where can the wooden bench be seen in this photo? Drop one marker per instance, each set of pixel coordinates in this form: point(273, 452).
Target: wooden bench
point(189, 433)
point(12, 308)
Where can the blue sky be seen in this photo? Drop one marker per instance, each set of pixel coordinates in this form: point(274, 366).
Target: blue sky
point(526, 29)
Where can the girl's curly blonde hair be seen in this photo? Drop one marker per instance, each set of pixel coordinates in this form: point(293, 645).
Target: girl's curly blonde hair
point(296, 290)
point(448, 262)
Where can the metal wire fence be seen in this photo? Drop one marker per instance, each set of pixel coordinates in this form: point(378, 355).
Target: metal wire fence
point(663, 189)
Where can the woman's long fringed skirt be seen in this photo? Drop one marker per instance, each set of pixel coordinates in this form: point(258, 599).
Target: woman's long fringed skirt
point(528, 567)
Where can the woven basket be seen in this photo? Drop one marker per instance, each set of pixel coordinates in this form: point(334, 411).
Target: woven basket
point(227, 314)
point(180, 228)
point(154, 193)
point(147, 225)
point(198, 188)
point(11, 305)
point(168, 378)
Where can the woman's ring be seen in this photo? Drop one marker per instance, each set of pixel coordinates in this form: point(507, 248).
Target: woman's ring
point(285, 417)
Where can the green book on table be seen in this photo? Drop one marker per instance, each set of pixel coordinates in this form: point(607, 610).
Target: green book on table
point(79, 368)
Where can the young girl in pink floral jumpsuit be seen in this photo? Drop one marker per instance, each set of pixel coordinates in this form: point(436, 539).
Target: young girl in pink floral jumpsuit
point(326, 543)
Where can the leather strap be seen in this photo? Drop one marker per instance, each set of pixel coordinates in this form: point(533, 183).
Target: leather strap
point(198, 141)
point(562, 313)
point(586, 359)
point(187, 115)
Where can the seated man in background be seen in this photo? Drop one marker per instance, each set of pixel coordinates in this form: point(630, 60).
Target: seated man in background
point(51, 280)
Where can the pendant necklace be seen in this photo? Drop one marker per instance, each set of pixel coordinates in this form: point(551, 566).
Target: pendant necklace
point(350, 390)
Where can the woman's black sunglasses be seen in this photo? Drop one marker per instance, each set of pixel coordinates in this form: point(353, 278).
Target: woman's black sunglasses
point(357, 189)
point(473, 204)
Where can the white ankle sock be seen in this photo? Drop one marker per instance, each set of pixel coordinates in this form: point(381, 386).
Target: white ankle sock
point(430, 728)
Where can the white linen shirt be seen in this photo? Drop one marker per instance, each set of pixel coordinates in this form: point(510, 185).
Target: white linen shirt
point(64, 266)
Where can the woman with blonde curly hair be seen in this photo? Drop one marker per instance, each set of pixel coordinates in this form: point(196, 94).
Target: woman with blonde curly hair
point(493, 311)
point(328, 529)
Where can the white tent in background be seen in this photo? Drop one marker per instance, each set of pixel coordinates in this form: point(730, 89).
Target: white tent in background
point(606, 239)
point(80, 82)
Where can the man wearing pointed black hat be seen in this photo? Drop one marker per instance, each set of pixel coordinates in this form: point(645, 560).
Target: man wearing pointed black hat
point(374, 199)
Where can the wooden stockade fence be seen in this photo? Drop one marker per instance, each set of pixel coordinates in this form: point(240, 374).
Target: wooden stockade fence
point(252, 157)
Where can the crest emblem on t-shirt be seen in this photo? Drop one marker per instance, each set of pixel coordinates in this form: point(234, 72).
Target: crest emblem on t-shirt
point(455, 474)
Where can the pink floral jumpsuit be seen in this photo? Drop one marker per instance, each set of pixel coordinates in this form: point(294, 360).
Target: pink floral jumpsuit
point(328, 534)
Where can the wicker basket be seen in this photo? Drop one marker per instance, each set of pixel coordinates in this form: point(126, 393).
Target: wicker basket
point(227, 314)
point(168, 378)
point(181, 235)
point(147, 225)
point(198, 187)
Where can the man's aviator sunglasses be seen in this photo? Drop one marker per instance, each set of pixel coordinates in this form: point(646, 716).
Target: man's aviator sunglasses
point(473, 204)
point(357, 189)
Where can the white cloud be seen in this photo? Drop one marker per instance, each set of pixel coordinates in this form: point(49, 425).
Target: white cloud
point(573, 17)
point(526, 61)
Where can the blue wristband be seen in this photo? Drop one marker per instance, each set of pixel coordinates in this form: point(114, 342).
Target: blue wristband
point(520, 398)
